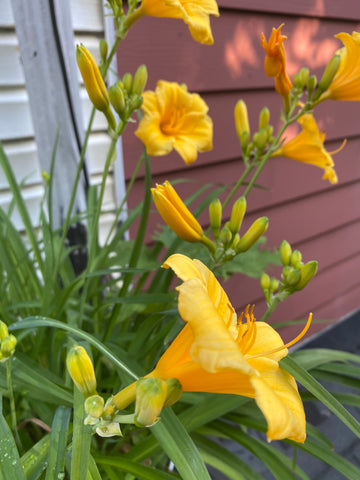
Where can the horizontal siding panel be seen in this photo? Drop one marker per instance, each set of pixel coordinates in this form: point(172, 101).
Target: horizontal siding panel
point(32, 197)
point(15, 117)
point(99, 144)
point(99, 122)
point(346, 9)
point(6, 14)
point(24, 161)
point(108, 201)
point(236, 59)
point(87, 15)
point(11, 70)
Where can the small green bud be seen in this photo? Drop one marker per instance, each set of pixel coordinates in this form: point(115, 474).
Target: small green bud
point(311, 84)
point(274, 285)
point(241, 119)
point(328, 76)
point(127, 81)
point(244, 141)
point(301, 78)
point(215, 216)
point(8, 346)
point(4, 332)
point(265, 281)
point(293, 277)
point(135, 101)
point(225, 236)
point(307, 272)
point(151, 395)
point(257, 229)
point(237, 215)
point(235, 241)
point(94, 406)
point(296, 258)
point(140, 79)
point(285, 252)
point(117, 99)
point(285, 272)
point(260, 138)
point(103, 47)
point(174, 391)
point(264, 118)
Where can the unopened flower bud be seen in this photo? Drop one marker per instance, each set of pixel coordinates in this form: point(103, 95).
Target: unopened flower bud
point(241, 118)
point(225, 236)
point(296, 258)
point(257, 229)
point(264, 118)
point(174, 391)
point(94, 406)
point(311, 84)
point(307, 272)
point(127, 81)
point(103, 48)
point(260, 138)
point(286, 271)
point(81, 370)
point(117, 99)
point(235, 241)
point(274, 284)
point(328, 76)
point(244, 142)
point(215, 216)
point(135, 101)
point(4, 332)
point(8, 345)
point(265, 281)
point(237, 215)
point(151, 395)
point(285, 252)
point(293, 277)
point(301, 78)
point(140, 79)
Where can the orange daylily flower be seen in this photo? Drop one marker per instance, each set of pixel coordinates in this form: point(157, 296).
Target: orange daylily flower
point(275, 61)
point(216, 352)
point(308, 147)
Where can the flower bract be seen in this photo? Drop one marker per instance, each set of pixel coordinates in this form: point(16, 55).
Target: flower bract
point(275, 61)
point(175, 213)
point(308, 147)
point(216, 352)
point(194, 14)
point(175, 119)
point(346, 83)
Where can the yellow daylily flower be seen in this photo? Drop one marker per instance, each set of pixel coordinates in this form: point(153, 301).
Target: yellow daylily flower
point(195, 14)
point(308, 147)
point(275, 61)
point(346, 83)
point(175, 213)
point(175, 119)
point(217, 353)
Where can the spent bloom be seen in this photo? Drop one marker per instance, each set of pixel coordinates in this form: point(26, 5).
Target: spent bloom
point(216, 352)
point(308, 147)
point(275, 61)
point(346, 83)
point(194, 14)
point(175, 213)
point(175, 119)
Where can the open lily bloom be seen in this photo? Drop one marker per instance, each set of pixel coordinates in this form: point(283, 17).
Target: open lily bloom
point(195, 14)
point(308, 147)
point(275, 61)
point(175, 119)
point(346, 83)
point(216, 353)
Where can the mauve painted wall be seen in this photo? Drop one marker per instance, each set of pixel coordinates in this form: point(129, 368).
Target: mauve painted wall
point(321, 220)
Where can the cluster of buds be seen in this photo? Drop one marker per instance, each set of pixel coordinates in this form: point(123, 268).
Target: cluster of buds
point(7, 343)
point(228, 240)
point(125, 95)
point(295, 275)
point(150, 394)
point(260, 139)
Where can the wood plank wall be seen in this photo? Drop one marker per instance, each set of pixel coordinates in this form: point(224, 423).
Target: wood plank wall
point(321, 220)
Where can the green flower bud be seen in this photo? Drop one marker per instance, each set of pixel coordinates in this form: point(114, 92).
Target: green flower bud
point(117, 99)
point(311, 84)
point(127, 81)
point(135, 101)
point(285, 252)
point(94, 406)
point(151, 394)
point(215, 216)
point(225, 236)
point(260, 138)
point(8, 346)
point(307, 272)
point(301, 78)
point(257, 229)
point(235, 241)
point(103, 47)
point(174, 391)
point(296, 258)
point(328, 76)
point(4, 332)
point(274, 285)
point(237, 215)
point(81, 370)
point(140, 79)
point(264, 118)
point(293, 277)
point(265, 281)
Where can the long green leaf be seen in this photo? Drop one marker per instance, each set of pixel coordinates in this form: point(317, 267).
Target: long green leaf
point(59, 433)
point(80, 454)
point(179, 447)
point(313, 357)
point(10, 465)
point(314, 387)
point(141, 471)
point(34, 461)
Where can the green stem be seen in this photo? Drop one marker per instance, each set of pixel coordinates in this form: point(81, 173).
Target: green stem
point(238, 184)
point(270, 309)
point(12, 402)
